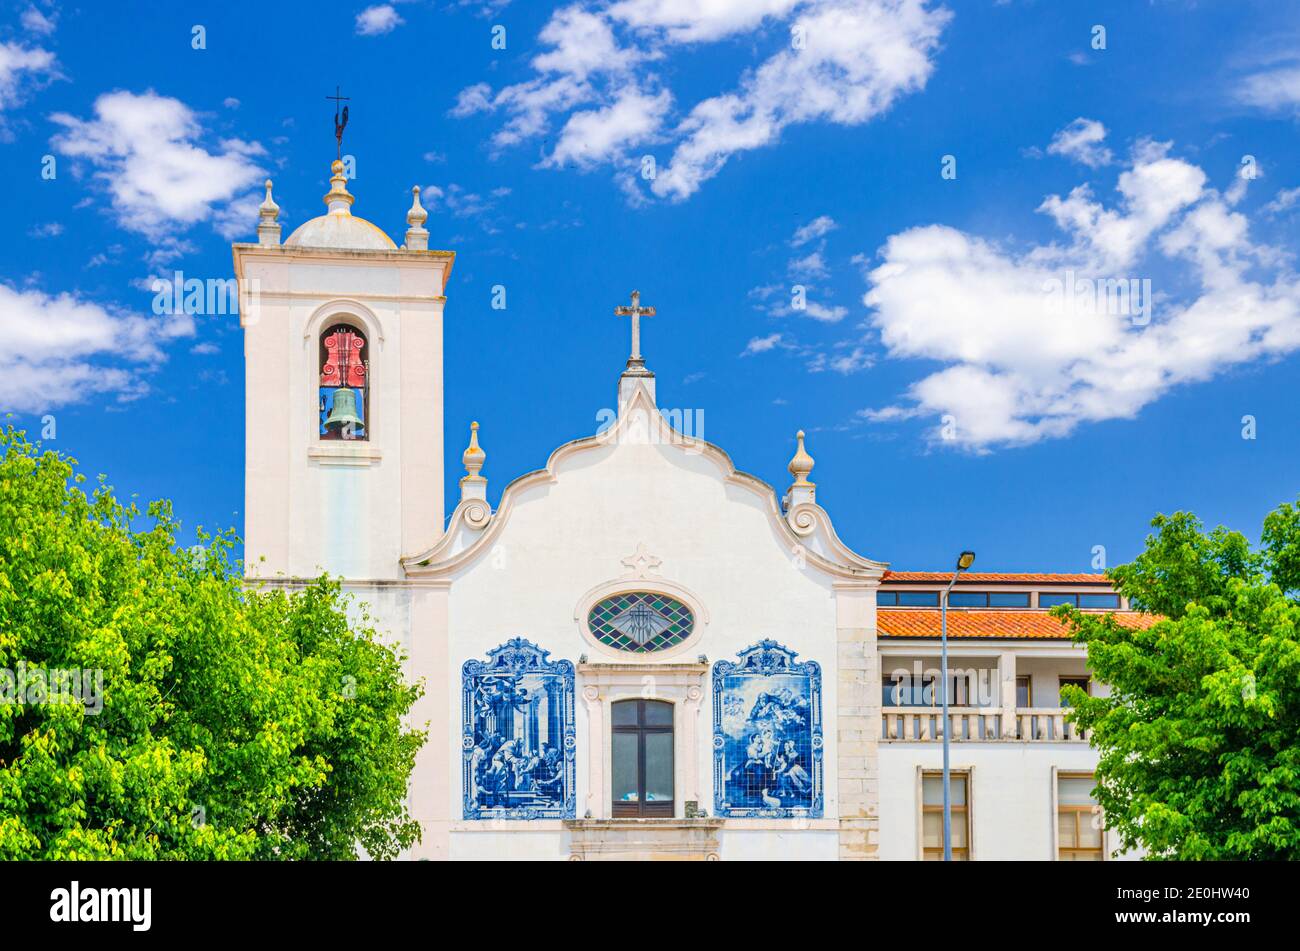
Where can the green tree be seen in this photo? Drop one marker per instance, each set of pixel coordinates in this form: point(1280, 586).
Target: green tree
point(1199, 740)
point(235, 723)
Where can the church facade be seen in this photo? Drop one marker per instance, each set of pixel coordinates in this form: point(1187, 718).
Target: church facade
point(640, 651)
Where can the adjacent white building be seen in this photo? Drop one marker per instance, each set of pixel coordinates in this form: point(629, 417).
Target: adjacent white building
point(639, 651)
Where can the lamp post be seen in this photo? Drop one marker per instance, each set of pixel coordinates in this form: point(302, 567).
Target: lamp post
point(964, 561)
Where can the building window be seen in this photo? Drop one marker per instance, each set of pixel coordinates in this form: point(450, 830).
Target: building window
point(908, 599)
point(1024, 691)
point(918, 599)
point(640, 622)
point(1083, 683)
point(932, 816)
point(1079, 831)
point(642, 732)
point(1085, 601)
point(344, 395)
point(1008, 599)
point(988, 599)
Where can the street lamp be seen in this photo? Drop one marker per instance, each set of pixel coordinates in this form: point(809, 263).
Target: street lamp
point(964, 561)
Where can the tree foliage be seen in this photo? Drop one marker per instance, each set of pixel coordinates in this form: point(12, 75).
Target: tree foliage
point(1200, 737)
point(235, 723)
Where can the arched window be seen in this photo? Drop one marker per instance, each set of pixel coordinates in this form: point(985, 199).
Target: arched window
point(642, 732)
point(344, 400)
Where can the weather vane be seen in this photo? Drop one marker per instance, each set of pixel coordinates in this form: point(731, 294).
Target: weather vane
point(340, 119)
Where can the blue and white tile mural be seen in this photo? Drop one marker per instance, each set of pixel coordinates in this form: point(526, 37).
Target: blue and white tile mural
point(518, 740)
point(767, 734)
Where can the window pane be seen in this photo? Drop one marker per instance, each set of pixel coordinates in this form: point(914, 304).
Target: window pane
point(886, 598)
point(1052, 600)
point(1080, 682)
point(625, 713)
point(658, 767)
point(1075, 791)
point(918, 599)
point(958, 789)
point(1023, 695)
point(967, 599)
point(932, 830)
point(932, 789)
point(1065, 830)
point(658, 713)
point(958, 829)
point(1089, 830)
point(1009, 599)
point(624, 781)
point(1099, 600)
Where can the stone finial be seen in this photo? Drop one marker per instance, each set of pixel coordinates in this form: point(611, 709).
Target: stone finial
point(473, 485)
point(800, 466)
point(268, 213)
point(337, 199)
point(802, 463)
point(417, 237)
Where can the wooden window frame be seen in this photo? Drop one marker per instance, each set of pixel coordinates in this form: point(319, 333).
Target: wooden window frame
point(1063, 679)
point(1090, 810)
point(643, 809)
point(967, 812)
point(1029, 689)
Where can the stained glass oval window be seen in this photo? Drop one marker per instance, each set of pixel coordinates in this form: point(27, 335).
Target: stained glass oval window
point(640, 622)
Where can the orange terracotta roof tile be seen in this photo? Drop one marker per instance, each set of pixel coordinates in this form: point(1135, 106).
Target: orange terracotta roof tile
point(968, 622)
point(992, 577)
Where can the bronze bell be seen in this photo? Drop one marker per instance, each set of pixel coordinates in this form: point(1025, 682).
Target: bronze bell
point(344, 410)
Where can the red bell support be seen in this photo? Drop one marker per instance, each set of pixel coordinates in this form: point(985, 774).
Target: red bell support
point(343, 366)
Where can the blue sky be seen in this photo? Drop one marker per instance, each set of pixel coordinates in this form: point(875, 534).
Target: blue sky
point(952, 400)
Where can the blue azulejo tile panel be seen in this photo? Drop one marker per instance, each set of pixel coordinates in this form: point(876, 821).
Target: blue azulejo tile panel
point(518, 734)
point(767, 734)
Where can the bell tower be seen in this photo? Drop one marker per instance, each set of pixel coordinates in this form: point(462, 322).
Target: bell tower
point(344, 403)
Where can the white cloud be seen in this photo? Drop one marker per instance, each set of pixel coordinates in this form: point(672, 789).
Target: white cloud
point(840, 61)
point(1082, 140)
point(829, 314)
point(1031, 354)
point(377, 20)
point(600, 135)
point(1284, 200)
point(693, 21)
point(64, 349)
point(811, 265)
point(51, 229)
point(23, 69)
point(146, 149)
point(817, 228)
point(34, 21)
point(1276, 88)
point(761, 344)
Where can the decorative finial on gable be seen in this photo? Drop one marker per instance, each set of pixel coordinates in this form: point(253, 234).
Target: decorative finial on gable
point(417, 237)
point(802, 463)
point(337, 199)
point(473, 485)
point(800, 466)
point(268, 227)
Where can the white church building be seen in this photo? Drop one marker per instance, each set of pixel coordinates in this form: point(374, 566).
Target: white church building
point(640, 651)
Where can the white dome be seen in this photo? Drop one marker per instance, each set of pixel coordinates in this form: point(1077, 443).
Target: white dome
point(341, 231)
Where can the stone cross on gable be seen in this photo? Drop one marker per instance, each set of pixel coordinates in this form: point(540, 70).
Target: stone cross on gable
point(636, 312)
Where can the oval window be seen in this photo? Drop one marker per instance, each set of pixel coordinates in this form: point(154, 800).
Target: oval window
point(640, 622)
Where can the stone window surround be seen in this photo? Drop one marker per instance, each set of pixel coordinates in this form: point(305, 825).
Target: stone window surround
point(682, 685)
